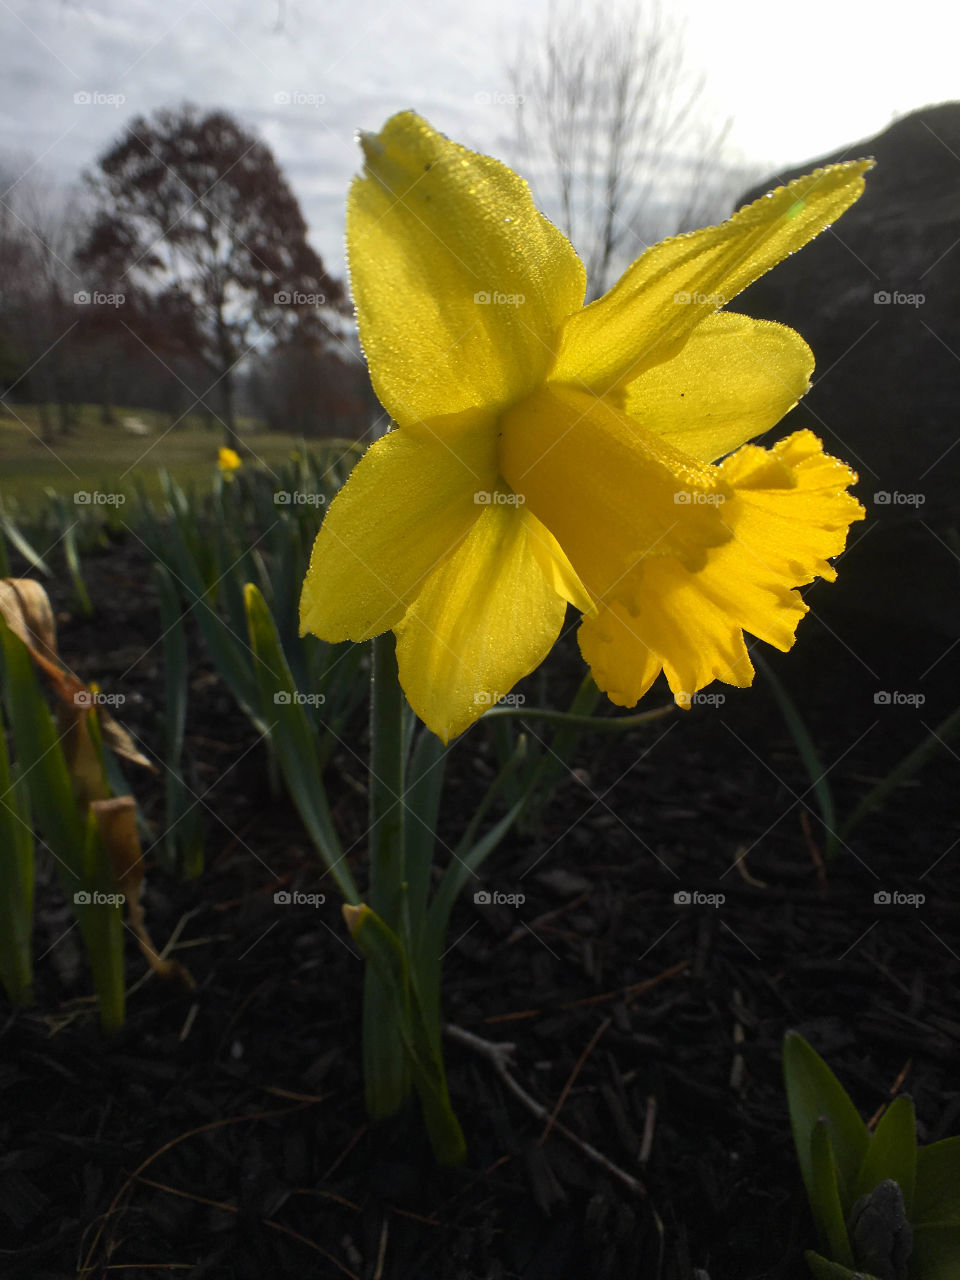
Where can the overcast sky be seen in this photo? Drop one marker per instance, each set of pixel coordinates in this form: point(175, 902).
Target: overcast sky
point(797, 81)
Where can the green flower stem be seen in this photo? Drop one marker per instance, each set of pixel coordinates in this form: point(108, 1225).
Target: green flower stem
point(387, 853)
point(386, 1072)
point(551, 767)
point(907, 767)
point(401, 1024)
point(387, 958)
point(599, 724)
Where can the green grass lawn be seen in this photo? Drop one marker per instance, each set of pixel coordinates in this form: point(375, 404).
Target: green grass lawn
point(107, 458)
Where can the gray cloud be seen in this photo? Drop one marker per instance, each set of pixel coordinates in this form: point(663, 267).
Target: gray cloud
point(346, 65)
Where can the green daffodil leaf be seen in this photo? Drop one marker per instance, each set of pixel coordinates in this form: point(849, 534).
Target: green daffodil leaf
point(892, 1153)
point(823, 1269)
point(937, 1195)
point(814, 1092)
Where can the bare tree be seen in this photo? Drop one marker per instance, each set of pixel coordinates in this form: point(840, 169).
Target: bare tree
point(609, 125)
point(37, 289)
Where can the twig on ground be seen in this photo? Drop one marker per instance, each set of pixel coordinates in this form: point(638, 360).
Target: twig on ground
point(499, 1055)
point(578, 1067)
point(649, 1125)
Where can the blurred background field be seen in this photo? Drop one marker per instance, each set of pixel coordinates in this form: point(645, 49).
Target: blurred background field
point(112, 457)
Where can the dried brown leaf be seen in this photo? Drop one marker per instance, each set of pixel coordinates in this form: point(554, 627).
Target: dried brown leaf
point(116, 821)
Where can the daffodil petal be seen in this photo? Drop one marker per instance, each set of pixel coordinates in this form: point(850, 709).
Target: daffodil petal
point(671, 287)
point(555, 565)
point(680, 630)
point(460, 284)
point(485, 618)
point(407, 504)
point(788, 511)
point(791, 511)
point(621, 661)
point(610, 491)
point(733, 379)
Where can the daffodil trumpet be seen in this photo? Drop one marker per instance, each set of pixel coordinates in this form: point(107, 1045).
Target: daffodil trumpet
point(546, 453)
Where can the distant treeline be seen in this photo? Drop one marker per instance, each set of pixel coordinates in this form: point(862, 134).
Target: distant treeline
point(180, 279)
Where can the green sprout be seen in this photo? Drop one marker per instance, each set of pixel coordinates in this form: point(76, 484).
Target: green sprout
point(884, 1208)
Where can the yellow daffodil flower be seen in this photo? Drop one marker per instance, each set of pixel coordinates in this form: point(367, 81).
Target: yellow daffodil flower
point(228, 460)
point(545, 452)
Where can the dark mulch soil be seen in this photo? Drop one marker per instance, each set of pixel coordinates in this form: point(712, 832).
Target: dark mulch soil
point(224, 1134)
